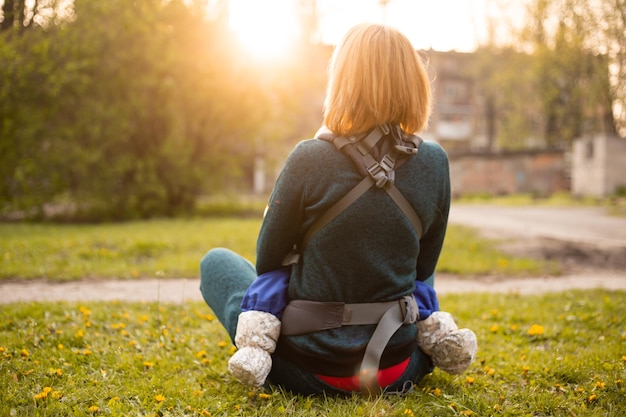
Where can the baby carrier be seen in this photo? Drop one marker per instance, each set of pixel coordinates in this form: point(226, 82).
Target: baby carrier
point(303, 316)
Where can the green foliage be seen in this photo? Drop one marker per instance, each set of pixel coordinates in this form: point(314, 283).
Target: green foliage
point(548, 355)
point(134, 110)
point(559, 79)
point(173, 249)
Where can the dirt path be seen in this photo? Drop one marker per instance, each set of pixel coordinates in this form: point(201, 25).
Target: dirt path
point(181, 290)
point(587, 243)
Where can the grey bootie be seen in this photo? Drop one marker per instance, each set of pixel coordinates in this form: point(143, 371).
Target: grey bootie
point(451, 349)
point(256, 336)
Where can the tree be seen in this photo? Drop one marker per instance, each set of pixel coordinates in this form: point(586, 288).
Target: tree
point(579, 48)
point(135, 109)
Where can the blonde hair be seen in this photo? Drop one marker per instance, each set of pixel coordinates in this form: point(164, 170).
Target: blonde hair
point(376, 77)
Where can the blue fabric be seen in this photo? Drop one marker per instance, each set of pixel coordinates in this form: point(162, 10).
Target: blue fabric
point(426, 299)
point(268, 292)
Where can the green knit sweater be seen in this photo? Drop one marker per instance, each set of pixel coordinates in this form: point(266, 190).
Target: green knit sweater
point(369, 253)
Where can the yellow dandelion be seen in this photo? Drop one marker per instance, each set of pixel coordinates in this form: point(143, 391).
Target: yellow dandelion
point(408, 412)
point(148, 364)
point(536, 330)
point(3, 349)
point(205, 413)
point(94, 409)
point(44, 393)
point(494, 328)
point(222, 344)
point(437, 392)
point(469, 380)
point(197, 392)
point(60, 346)
point(201, 354)
point(592, 398)
point(600, 384)
point(79, 334)
point(466, 412)
point(25, 353)
point(264, 396)
point(57, 372)
point(159, 398)
point(525, 370)
point(624, 358)
point(56, 395)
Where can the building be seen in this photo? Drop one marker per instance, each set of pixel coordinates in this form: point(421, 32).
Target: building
point(598, 165)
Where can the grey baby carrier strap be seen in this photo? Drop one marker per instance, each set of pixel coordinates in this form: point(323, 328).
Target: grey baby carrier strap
point(303, 316)
point(380, 173)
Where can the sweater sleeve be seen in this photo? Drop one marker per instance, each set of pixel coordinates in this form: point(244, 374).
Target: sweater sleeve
point(284, 214)
point(431, 242)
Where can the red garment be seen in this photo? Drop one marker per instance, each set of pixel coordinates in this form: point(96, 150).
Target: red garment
point(385, 377)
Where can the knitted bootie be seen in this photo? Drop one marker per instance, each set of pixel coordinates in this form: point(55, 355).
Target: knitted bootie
point(256, 336)
point(451, 349)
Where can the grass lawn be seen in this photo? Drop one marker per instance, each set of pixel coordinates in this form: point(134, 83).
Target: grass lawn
point(173, 249)
point(551, 355)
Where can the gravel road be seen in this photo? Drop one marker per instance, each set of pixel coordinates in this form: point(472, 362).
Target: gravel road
point(590, 243)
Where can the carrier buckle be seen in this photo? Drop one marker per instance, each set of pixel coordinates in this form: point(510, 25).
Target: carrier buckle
point(409, 309)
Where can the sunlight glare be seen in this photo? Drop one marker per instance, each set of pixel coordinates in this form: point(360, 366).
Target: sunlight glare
point(266, 29)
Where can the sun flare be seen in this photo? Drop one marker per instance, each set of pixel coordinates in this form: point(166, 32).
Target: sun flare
point(266, 29)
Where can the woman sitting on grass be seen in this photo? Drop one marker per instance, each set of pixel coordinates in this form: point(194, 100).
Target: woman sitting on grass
point(367, 260)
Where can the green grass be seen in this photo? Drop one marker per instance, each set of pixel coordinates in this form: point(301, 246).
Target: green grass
point(173, 249)
point(465, 253)
point(165, 248)
point(615, 204)
point(550, 355)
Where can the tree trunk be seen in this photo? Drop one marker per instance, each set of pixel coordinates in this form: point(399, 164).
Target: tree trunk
point(8, 10)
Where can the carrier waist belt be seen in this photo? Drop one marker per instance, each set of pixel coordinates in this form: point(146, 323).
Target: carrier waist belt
point(303, 316)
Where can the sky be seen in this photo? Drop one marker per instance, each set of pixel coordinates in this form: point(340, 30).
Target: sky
point(440, 24)
point(267, 26)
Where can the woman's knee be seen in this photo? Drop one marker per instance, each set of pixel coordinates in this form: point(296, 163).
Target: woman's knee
point(211, 264)
point(213, 259)
point(224, 265)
